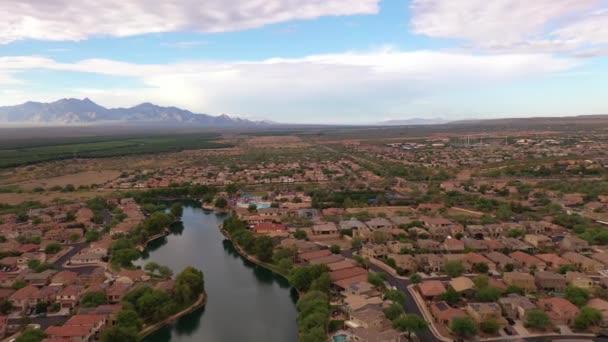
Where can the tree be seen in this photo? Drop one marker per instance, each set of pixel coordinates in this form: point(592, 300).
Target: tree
point(454, 268)
point(31, 335)
point(537, 319)
point(356, 242)
point(335, 249)
point(19, 284)
point(587, 317)
point(93, 299)
point(577, 295)
point(416, 278)
point(302, 277)
point(395, 296)
point(488, 294)
point(232, 189)
point(409, 324)
point(450, 296)
point(463, 327)
point(300, 234)
point(177, 210)
point(92, 236)
point(489, 326)
point(481, 267)
point(263, 248)
point(189, 284)
point(375, 279)
point(129, 319)
point(221, 203)
point(481, 281)
point(118, 334)
point(52, 248)
point(515, 289)
point(5, 307)
point(165, 272)
point(393, 311)
point(74, 237)
point(151, 267)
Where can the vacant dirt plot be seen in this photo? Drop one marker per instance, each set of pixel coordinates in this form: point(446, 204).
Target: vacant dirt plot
point(77, 179)
point(277, 141)
point(389, 211)
point(49, 197)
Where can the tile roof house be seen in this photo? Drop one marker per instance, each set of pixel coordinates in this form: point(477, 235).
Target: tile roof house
point(430, 289)
point(574, 244)
point(602, 306)
point(538, 241)
point(560, 310)
point(516, 306)
point(347, 273)
point(582, 262)
point(528, 261)
point(552, 260)
point(471, 259)
point(481, 312)
point(579, 280)
point(377, 251)
point(308, 256)
point(453, 246)
point(501, 260)
point(550, 282)
point(463, 285)
point(444, 313)
point(25, 297)
point(519, 279)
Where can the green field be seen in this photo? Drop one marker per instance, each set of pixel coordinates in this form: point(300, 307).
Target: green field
point(16, 153)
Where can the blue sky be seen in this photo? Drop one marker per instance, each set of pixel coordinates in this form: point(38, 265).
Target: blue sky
point(313, 61)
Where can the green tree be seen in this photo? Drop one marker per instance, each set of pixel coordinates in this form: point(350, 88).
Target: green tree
point(463, 327)
point(93, 299)
point(165, 272)
point(5, 307)
point(488, 294)
point(356, 242)
point(129, 319)
point(31, 335)
point(177, 210)
point(481, 281)
point(118, 334)
point(395, 296)
point(52, 248)
point(587, 317)
point(335, 249)
point(252, 208)
point(232, 189)
point(577, 295)
point(375, 279)
point(189, 284)
point(409, 324)
point(19, 284)
point(393, 311)
point(263, 248)
point(302, 277)
point(489, 326)
point(92, 236)
point(451, 296)
point(481, 267)
point(416, 278)
point(454, 268)
point(221, 203)
point(537, 319)
point(300, 234)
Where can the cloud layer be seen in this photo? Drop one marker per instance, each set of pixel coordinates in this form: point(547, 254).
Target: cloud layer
point(354, 83)
point(62, 20)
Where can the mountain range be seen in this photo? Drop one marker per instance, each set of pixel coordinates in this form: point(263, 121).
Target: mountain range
point(85, 111)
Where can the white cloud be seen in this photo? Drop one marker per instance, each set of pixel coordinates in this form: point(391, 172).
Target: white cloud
point(59, 20)
point(186, 44)
point(513, 25)
point(309, 89)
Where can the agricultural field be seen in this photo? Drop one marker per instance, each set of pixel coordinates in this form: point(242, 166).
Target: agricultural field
point(17, 153)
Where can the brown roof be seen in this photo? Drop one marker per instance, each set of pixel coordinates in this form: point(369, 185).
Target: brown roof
point(315, 254)
point(431, 288)
point(68, 331)
point(346, 283)
point(444, 312)
point(347, 273)
point(24, 293)
point(85, 320)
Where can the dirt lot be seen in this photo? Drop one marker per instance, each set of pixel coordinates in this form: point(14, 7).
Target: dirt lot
point(49, 197)
point(277, 142)
point(77, 179)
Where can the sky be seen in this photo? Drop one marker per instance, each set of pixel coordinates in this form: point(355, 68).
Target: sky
point(312, 61)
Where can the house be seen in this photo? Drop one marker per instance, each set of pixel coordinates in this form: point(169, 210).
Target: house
point(86, 258)
point(328, 228)
point(559, 310)
point(396, 247)
point(431, 289)
point(472, 259)
point(308, 256)
point(430, 262)
point(481, 312)
point(369, 318)
point(439, 233)
point(475, 245)
point(381, 335)
point(134, 275)
point(65, 277)
point(552, 260)
point(602, 306)
point(516, 306)
point(582, 262)
point(573, 243)
point(347, 273)
point(405, 262)
point(380, 223)
point(550, 282)
point(70, 333)
point(330, 259)
point(601, 257)
point(444, 314)
point(516, 245)
point(69, 296)
point(464, 286)
point(581, 280)
point(24, 298)
point(519, 279)
point(268, 228)
point(376, 251)
point(39, 279)
point(500, 260)
point(429, 245)
point(453, 246)
point(538, 241)
point(117, 291)
point(352, 224)
point(528, 261)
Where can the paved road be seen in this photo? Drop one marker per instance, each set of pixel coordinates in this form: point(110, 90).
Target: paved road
point(44, 322)
point(411, 307)
point(76, 248)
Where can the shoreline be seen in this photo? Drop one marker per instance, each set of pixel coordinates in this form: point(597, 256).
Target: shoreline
point(199, 303)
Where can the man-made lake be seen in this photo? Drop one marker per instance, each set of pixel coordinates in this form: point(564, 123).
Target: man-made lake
point(245, 303)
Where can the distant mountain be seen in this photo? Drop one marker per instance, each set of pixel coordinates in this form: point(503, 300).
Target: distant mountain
point(412, 122)
point(76, 111)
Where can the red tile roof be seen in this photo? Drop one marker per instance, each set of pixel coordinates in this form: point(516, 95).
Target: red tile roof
point(431, 288)
point(347, 273)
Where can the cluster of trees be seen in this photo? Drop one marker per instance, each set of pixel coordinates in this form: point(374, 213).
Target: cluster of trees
point(313, 316)
point(160, 270)
point(396, 314)
point(261, 247)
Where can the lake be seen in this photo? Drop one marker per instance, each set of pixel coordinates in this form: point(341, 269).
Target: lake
point(245, 302)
